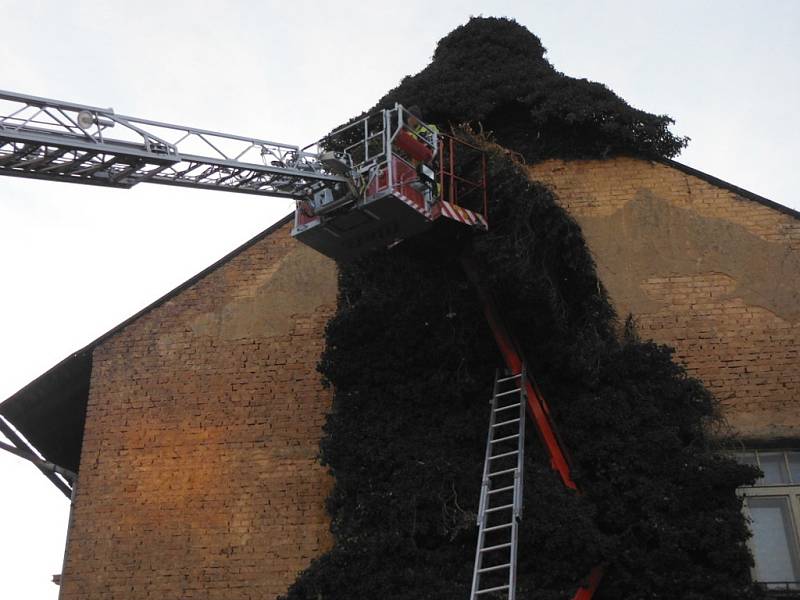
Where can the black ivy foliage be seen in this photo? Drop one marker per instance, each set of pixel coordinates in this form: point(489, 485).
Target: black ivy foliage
point(412, 361)
point(493, 71)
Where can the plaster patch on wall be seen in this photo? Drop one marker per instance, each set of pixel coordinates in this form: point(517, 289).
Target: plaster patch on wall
point(650, 238)
point(303, 281)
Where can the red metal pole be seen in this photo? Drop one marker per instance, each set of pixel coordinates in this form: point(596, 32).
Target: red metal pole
point(452, 173)
point(513, 360)
point(485, 189)
point(586, 592)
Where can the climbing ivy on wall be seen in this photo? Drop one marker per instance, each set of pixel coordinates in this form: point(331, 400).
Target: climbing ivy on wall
point(493, 72)
point(411, 361)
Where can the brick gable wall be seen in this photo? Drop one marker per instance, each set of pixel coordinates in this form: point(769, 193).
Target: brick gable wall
point(199, 474)
point(712, 273)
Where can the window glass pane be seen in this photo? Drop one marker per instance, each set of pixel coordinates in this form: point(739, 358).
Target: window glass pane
point(773, 538)
point(746, 458)
point(794, 466)
point(774, 467)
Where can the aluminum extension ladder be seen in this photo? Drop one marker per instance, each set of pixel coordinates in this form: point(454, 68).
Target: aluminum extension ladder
point(500, 508)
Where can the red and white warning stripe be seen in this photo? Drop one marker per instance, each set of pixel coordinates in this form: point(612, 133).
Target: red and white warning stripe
point(463, 215)
point(417, 206)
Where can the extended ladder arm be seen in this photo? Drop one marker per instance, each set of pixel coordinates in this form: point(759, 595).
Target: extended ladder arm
point(63, 141)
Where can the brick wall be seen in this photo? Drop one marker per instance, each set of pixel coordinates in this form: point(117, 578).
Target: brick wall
point(712, 273)
point(199, 476)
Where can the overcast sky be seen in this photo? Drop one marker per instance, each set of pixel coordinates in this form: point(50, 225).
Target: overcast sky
point(77, 260)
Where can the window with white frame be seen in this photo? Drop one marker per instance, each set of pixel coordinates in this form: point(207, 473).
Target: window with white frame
point(773, 508)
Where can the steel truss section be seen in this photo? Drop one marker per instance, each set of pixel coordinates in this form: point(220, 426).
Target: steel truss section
point(63, 141)
point(23, 449)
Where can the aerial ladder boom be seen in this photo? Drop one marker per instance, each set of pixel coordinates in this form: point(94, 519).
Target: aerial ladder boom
point(369, 184)
point(64, 141)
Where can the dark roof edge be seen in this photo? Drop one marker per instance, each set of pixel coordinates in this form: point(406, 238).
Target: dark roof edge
point(730, 187)
point(169, 295)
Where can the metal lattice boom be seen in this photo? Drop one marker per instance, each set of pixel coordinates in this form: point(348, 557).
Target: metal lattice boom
point(63, 141)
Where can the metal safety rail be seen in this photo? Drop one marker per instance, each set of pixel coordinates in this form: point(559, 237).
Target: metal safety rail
point(370, 144)
point(63, 141)
point(466, 188)
point(500, 509)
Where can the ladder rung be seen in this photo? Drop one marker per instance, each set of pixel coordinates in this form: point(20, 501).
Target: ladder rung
point(496, 508)
point(494, 589)
point(503, 472)
point(504, 439)
point(497, 410)
point(502, 489)
point(504, 454)
point(509, 422)
point(496, 527)
point(515, 390)
point(497, 547)
point(509, 378)
point(494, 568)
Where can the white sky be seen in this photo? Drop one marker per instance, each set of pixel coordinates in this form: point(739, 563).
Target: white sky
point(77, 260)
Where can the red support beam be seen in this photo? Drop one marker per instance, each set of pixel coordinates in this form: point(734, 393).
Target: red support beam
point(513, 359)
point(586, 591)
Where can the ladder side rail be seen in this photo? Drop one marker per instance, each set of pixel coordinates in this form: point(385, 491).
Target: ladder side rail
point(518, 501)
point(518, 489)
point(512, 573)
point(485, 484)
